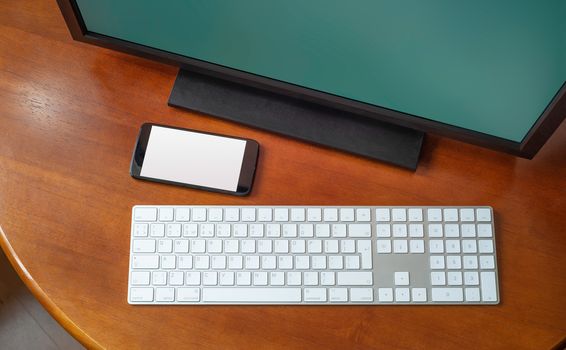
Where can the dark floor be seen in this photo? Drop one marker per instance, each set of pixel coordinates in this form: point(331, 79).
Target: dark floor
point(24, 324)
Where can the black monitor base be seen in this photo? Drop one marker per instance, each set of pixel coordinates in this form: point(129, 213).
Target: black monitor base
point(298, 119)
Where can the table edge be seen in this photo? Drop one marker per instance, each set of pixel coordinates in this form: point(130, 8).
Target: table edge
point(78, 333)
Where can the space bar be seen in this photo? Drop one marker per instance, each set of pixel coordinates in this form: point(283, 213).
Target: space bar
point(237, 295)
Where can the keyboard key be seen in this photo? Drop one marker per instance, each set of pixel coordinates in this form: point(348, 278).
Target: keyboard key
point(139, 278)
point(471, 278)
point(159, 278)
point(164, 294)
point(310, 278)
point(383, 246)
point(447, 294)
point(437, 262)
point(145, 261)
point(417, 246)
point(470, 262)
point(485, 246)
point(401, 278)
point(199, 214)
point(215, 214)
point(418, 294)
point(188, 294)
point(145, 214)
point(331, 214)
point(277, 278)
point(398, 214)
point(382, 215)
point(257, 295)
point(314, 214)
point(468, 230)
point(140, 230)
point(243, 278)
point(438, 278)
point(454, 278)
point(157, 230)
point(469, 246)
point(364, 248)
point(322, 230)
point(331, 246)
point(327, 278)
point(453, 262)
point(354, 278)
point(359, 230)
point(315, 294)
point(436, 246)
point(264, 214)
point(452, 246)
point(472, 294)
point(165, 246)
point(400, 246)
point(399, 230)
point(450, 214)
point(434, 214)
point(144, 246)
point(363, 215)
point(383, 230)
point(488, 288)
point(141, 294)
point(415, 214)
point(484, 230)
point(487, 262)
point(165, 214)
point(402, 294)
point(182, 214)
point(347, 214)
point(361, 294)
point(435, 230)
point(352, 262)
point(297, 214)
point(338, 295)
point(248, 214)
point(385, 294)
point(281, 214)
point(467, 214)
point(483, 214)
point(232, 214)
point(192, 278)
point(416, 230)
point(294, 278)
point(339, 230)
point(451, 230)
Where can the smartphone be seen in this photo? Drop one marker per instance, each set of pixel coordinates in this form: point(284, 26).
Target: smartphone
point(195, 159)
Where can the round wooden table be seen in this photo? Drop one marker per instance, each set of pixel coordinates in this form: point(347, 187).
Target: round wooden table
point(69, 116)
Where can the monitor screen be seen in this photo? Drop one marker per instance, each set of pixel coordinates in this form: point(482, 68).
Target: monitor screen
point(486, 66)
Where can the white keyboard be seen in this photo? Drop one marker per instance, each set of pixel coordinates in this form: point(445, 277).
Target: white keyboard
point(305, 255)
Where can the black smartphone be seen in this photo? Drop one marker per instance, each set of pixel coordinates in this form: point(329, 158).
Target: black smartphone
point(195, 159)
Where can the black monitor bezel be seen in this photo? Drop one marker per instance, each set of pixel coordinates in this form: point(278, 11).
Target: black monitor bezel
point(539, 133)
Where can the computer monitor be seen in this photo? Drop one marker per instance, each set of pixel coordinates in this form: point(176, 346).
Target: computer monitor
point(368, 77)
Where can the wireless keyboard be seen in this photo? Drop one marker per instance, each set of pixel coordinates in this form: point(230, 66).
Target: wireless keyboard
point(312, 255)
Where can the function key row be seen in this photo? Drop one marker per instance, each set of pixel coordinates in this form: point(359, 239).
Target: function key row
point(249, 214)
point(432, 214)
point(201, 214)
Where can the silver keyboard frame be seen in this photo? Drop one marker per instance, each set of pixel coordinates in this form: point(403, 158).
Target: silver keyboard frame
point(383, 266)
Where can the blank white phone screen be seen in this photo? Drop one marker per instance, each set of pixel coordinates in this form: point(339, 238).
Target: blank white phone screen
point(193, 158)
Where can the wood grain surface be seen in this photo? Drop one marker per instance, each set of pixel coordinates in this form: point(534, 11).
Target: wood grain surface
point(69, 116)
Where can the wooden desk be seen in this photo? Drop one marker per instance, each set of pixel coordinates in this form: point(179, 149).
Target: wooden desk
point(69, 115)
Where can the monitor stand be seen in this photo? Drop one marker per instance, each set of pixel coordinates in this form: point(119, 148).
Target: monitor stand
point(297, 118)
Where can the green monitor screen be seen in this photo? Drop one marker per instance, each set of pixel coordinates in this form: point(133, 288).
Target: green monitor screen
point(491, 67)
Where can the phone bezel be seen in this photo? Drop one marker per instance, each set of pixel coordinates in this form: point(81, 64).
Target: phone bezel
point(247, 172)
